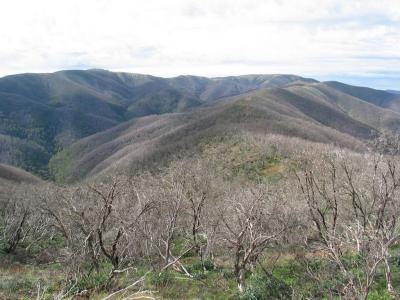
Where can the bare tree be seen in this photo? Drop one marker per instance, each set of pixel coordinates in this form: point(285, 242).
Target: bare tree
point(171, 205)
point(99, 220)
point(252, 223)
point(200, 188)
point(19, 219)
point(353, 203)
point(14, 216)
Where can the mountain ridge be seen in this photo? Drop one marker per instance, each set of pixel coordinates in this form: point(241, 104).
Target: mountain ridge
point(288, 111)
point(41, 114)
point(53, 110)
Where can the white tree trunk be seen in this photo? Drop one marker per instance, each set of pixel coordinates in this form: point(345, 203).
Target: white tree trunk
point(388, 274)
point(241, 280)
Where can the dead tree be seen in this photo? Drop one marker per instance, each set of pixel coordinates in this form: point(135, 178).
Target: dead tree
point(252, 223)
point(166, 221)
point(353, 203)
point(15, 212)
point(198, 183)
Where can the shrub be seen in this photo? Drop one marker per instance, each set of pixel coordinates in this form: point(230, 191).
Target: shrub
point(201, 266)
point(161, 280)
point(265, 287)
point(93, 281)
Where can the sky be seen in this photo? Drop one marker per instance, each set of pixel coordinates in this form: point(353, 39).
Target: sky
point(354, 41)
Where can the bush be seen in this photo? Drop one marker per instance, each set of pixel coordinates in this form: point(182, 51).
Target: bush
point(265, 287)
point(199, 276)
point(181, 245)
point(93, 281)
point(161, 280)
point(201, 266)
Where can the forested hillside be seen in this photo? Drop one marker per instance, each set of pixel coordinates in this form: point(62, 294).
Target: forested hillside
point(40, 114)
point(245, 187)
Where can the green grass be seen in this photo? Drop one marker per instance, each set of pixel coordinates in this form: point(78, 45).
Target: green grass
point(262, 168)
point(173, 285)
point(20, 275)
point(21, 281)
point(236, 157)
point(287, 278)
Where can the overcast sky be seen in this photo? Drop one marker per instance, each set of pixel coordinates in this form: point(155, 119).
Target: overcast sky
point(352, 41)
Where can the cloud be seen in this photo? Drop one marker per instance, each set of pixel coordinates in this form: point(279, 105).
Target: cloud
point(208, 37)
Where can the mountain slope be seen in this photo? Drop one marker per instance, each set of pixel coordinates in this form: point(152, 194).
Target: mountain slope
point(315, 112)
point(384, 99)
point(15, 175)
point(393, 92)
point(46, 112)
point(369, 114)
point(41, 114)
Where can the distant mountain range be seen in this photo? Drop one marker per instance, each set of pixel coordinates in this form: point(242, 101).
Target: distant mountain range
point(72, 124)
point(393, 91)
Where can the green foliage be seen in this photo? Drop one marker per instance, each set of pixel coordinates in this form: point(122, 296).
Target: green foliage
point(294, 275)
point(199, 269)
point(55, 243)
point(380, 295)
point(161, 280)
point(15, 285)
point(19, 281)
point(181, 245)
point(261, 286)
point(288, 280)
point(260, 168)
point(206, 265)
point(95, 280)
point(59, 166)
